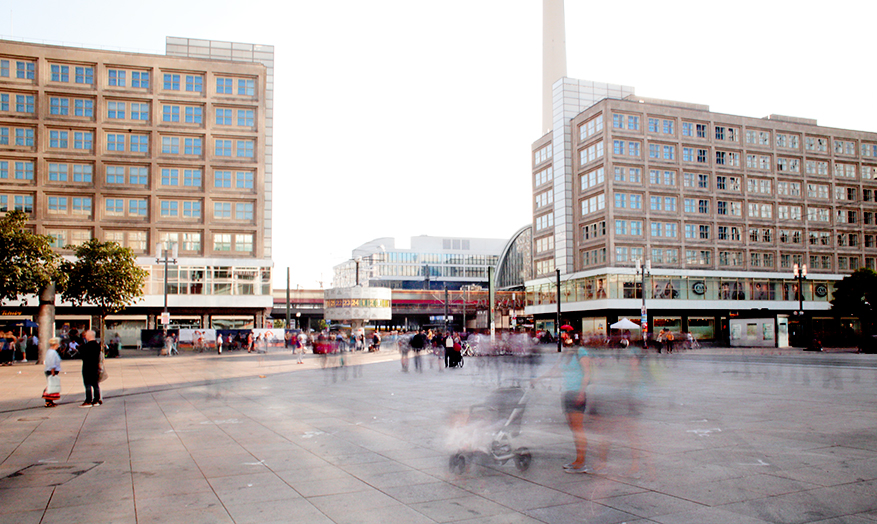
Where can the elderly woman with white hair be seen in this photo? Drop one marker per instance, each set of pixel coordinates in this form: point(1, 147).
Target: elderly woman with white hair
point(53, 369)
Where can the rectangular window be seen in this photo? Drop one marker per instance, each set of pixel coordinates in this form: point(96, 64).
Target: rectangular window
point(24, 136)
point(224, 86)
point(116, 77)
point(668, 127)
point(170, 114)
point(192, 177)
point(170, 145)
point(114, 207)
point(192, 146)
point(58, 172)
point(59, 106)
point(222, 179)
point(222, 242)
point(83, 140)
point(58, 139)
point(137, 175)
point(115, 142)
point(243, 243)
point(222, 210)
point(170, 177)
point(139, 111)
point(137, 207)
point(169, 208)
point(244, 180)
point(246, 117)
point(82, 205)
point(194, 83)
point(139, 143)
point(24, 103)
point(223, 147)
point(24, 170)
point(245, 148)
point(82, 173)
point(192, 209)
point(116, 110)
point(194, 114)
point(140, 79)
point(223, 117)
point(83, 107)
point(115, 175)
point(246, 86)
point(58, 205)
point(60, 73)
point(171, 82)
point(85, 75)
point(243, 211)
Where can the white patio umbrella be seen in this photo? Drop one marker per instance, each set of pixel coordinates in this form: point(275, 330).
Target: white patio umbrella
point(625, 324)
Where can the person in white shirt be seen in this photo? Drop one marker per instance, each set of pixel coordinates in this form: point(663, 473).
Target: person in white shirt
point(53, 369)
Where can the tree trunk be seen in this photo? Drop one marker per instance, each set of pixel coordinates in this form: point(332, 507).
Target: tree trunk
point(46, 319)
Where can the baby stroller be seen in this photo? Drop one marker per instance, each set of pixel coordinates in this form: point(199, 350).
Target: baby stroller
point(455, 358)
point(488, 431)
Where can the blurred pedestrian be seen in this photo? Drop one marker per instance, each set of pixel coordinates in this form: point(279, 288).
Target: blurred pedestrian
point(52, 369)
point(91, 367)
point(575, 365)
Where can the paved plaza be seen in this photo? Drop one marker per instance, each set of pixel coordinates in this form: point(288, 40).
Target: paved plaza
point(717, 436)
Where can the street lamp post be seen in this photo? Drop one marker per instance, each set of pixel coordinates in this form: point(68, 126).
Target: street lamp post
point(800, 274)
point(163, 249)
point(357, 260)
point(557, 317)
point(643, 270)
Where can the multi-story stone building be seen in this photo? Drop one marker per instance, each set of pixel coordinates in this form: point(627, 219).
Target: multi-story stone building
point(146, 149)
point(722, 207)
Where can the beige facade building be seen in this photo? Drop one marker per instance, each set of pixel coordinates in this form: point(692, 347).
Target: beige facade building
point(721, 206)
point(147, 149)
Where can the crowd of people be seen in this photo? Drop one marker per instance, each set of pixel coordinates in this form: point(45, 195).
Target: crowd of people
point(17, 348)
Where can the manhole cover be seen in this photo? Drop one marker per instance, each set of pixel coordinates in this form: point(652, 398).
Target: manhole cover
point(46, 475)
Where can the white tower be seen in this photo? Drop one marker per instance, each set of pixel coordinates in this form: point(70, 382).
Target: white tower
point(553, 55)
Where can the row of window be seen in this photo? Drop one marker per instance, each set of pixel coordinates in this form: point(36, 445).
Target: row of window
point(727, 133)
point(70, 140)
point(733, 183)
point(25, 69)
point(734, 233)
point(131, 111)
point(724, 158)
point(128, 207)
point(127, 175)
point(189, 242)
point(628, 254)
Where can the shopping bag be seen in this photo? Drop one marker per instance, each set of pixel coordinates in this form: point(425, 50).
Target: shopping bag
point(53, 388)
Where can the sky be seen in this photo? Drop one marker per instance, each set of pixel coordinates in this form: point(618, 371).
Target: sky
point(405, 118)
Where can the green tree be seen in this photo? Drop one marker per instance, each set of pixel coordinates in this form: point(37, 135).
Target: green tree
point(856, 295)
point(104, 275)
point(27, 262)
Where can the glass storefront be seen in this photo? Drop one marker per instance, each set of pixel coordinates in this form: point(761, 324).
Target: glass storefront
point(679, 288)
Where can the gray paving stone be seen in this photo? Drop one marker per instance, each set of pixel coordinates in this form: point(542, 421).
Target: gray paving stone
point(202, 439)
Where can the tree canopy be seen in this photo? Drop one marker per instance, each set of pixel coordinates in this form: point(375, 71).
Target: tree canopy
point(27, 262)
point(856, 295)
point(105, 275)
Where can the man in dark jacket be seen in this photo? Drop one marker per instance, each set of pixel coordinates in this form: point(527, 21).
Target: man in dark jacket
point(417, 343)
point(91, 363)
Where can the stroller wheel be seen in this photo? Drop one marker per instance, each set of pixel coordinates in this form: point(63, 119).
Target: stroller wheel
point(457, 463)
point(523, 459)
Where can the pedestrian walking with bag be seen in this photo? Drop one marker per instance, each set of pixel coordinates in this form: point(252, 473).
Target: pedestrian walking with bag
point(53, 369)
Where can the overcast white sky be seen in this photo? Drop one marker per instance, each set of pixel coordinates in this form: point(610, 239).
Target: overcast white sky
point(402, 118)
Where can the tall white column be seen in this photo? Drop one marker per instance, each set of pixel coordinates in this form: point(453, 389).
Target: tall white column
point(553, 55)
